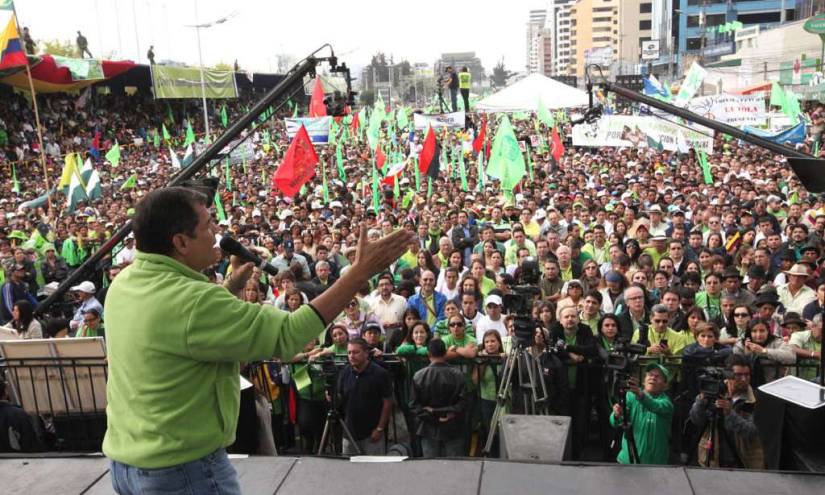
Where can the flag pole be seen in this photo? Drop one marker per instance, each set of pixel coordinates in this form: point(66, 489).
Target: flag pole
point(36, 111)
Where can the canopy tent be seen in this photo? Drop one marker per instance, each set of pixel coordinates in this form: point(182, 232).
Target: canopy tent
point(524, 95)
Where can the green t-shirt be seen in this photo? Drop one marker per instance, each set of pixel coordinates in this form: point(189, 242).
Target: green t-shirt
point(450, 340)
point(651, 418)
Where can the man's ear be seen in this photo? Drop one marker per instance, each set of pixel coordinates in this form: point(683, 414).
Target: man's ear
point(180, 244)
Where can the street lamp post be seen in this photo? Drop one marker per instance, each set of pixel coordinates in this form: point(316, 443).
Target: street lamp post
point(198, 27)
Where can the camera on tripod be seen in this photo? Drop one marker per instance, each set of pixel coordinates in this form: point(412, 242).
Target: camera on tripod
point(621, 360)
point(519, 304)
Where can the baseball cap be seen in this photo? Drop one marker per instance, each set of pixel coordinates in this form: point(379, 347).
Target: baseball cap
point(665, 373)
point(86, 286)
point(493, 299)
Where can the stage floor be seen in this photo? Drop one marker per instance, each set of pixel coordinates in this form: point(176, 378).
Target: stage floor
point(314, 476)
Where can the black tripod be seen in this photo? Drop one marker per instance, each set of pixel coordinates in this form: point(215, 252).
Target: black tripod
point(334, 420)
point(627, 428)
point(535, 397)
point(439, 90)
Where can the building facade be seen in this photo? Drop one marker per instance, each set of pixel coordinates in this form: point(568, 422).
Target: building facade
point(593, 34)
point(534, 38)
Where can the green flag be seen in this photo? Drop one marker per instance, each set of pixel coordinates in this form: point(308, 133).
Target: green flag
point(219, 207)
point(113, 155)
point(462, 171)
point(166, 136)
point(130, 182)
point(190, 135)
point(401, 118)
point(169, 113)
point(375, 195)
point(339, 158)
point(777, 95)
point(295, 111)
point(482, 178)
point(228, 176)
point(544, 115)
point(429, 186)
point(791, 106)
point(529, 164)
point(224, 117)
point(417, 176)
point(703, 162)
point(324, 186)
point(506, 161)
point(15, 185)
point(156, 139)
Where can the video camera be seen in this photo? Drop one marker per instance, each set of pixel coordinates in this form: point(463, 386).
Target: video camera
point(712, 383)
point(519, 304)
point(621, 360)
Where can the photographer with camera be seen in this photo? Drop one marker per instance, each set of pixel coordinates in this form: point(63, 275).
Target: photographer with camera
point(730, 437)
point(648, 414)
point(450, 81)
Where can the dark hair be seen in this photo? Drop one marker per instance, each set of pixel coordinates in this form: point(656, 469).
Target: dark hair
point(759, 321)
point(26, 311)
point(162, 214)
point(54, 326)
point(595, 295)
point(608, 316)
point(437, 348)
point(408, 335)
point(360, 342)
point(739, 360)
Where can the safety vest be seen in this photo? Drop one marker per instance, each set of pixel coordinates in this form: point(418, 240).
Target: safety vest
point(464, 80)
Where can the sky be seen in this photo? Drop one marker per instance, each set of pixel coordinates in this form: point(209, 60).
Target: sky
point(261, 30)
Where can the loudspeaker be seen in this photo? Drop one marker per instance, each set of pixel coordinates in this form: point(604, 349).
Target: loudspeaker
point(534, 438)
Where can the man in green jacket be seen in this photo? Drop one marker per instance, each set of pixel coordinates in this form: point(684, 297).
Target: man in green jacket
point(650, 413)
point(175, 341)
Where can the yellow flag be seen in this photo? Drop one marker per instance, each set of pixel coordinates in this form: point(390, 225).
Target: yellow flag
point(69, 168)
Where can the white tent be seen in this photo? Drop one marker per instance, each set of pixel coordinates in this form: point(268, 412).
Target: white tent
point(523, 96)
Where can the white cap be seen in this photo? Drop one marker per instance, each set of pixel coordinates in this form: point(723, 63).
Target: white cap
point(540, 213)
point(256, 212)
point(336, 204)
point(87, 287)
point(285, 214)
point(493, 299)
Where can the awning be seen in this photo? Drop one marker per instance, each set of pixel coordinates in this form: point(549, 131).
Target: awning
point(49, 77)
point(756, 88)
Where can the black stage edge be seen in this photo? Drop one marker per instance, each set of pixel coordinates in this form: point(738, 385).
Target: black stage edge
point(314, 476)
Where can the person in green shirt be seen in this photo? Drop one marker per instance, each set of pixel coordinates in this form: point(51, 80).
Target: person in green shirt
point(649, 413)
point(710, 299)
point(175, 340)
point(460, 344)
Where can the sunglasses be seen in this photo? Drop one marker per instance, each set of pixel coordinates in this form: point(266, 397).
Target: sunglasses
point(456, 324)
point(741, 315)
point(659, 321)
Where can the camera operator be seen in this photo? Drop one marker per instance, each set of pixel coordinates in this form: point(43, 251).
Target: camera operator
point(731, 440)
point(650, 413)
point(439, 402)
point(807, 345)
point(579, 346)
point(366, 399)
point(450, 81)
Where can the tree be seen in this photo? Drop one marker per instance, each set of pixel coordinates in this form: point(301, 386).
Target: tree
point(223, 66)
point(61, 48)
point(500, 75)
point(367, 97)
point(405, 68)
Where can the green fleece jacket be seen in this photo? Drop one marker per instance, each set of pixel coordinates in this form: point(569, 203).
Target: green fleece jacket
point(174, 344)
point(651, 418)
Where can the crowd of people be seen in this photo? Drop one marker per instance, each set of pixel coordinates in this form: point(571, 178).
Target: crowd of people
point(633, 246)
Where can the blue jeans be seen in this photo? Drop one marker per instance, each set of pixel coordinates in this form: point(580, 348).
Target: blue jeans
point(212, 474)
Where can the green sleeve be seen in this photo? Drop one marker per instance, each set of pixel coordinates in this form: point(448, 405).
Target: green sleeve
point(405, 350)
point(221, 327)
point(660, 405)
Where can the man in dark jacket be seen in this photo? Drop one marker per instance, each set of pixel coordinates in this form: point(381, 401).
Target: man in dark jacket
point(464, 236)
point(635, 315)
point(579, 347)
point(439, 401)
point(16, 428)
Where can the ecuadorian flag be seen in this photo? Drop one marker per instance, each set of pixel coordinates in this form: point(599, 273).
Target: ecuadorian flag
point(11, 49)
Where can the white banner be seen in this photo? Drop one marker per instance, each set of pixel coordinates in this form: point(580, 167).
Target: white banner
point(693, 81)
point(650, 50)
point(628, 130)
point(317, 128)
point(453, 120)
point(735, 110)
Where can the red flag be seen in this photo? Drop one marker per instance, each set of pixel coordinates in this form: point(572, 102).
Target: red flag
point(427, 152)
point(380, 157)
point(355, 123)
point(393, 173)
point(316, 104)
point(478, 142)
point(558, 148)
point(298, 165)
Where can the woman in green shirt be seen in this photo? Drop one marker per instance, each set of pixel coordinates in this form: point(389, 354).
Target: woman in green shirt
point(312, 404)
point(338, 349)
point(450, 309)
point(710, 299)
point(486, 377)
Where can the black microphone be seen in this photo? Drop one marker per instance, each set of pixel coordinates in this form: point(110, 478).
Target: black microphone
point(231, 246)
